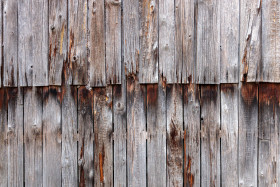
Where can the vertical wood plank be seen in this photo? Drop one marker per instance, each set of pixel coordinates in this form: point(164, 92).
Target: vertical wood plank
point(174, 105)
point(96, 43)
point(52, 136)
point(57, 40)
point(229, 136)
point(229, 41)
point(113, 41)
point(15, 137)
point(250, 40)
point(192, 135)
point(208, 42)
point(77, 40)
point(136, 133)
point(10, 39)
point(248, 135)
point(210, 135)
point(179, 34)
point(1, 42)
point(156, 129)
point(69, 157)
point(85, 147)
point(33, 136)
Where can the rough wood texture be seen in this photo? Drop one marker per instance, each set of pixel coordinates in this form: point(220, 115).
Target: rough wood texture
point(156, 129)
point(174, 104)
point(57, 40)
point(210, 135)
point(229, 136)
point(208, 42)
point(96, 43)
point(192, 135)
point(248, 135)
point(136, 133)
point(52, 136)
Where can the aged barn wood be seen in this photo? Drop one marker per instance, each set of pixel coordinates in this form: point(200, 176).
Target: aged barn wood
point(229, 136)
point(179, 33)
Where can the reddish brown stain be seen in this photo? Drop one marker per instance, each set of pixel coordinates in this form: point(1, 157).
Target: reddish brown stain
point(82, 182)
point(228, 88)
point(101, 162)
point(249, 91)
point(152, 94)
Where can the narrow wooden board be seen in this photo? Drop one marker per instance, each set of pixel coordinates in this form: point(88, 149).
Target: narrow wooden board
point(208, 42)
point(113, 41)
point(57, 40)
point(69, 155)
point(85, 129)
point(250, 40)
point(103, 137)
point(136, 132)
point(248, 135)
point(52, 136)
point(1, 41)
point(229, 41)
point(96, 43)
point(15, 137)
point(179, 35)
point(10, 40)
point(156, 129)
point(175, 135)
point(33, 136)
point(77, 40)
point(192, 135)
point(229, 136)
point(210, 135)
point(277, 138)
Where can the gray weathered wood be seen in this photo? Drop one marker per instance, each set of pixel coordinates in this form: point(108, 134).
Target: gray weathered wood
point(210, 135)
point(250, 40)
point(156, 129)
point(229, 41)
point(192, 135)
point(96, 43)
point(208, 42)
point(229, 136)
point(1, 42)
point(248, 135)
point(33, 136)
point(52, 136)
point(174, 105)
point(179, 35)
point(136, 132)
point(57, 40)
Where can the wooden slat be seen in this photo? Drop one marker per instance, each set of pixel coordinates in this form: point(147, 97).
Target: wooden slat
point(96, 43)
point(208, 42)
point(277, 139)
point(156, 129)
point(174, 105)
point(10, 39)
point(192, 135)
point(113, 41)
point(229, 41)
point(229, 136)
point(15, 137)
point(33, 136)
point(1, 41)
point(85, 147)
point(148, 64)
point(136, 133)
point(77, 40)
point(248, 135)
point(69, 155)
point(57, 40)
point(103, 137)
point(210, 135)
point(179, 34)
point(52, 136)
point(250, 40)
point(167, 41)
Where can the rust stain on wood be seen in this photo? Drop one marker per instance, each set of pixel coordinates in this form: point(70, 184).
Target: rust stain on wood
point(82, 182)
point(249, 91)
point(152, 96)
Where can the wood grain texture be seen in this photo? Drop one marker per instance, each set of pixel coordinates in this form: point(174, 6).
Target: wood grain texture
point(52, 136)
point(229, 136)
point(208, 42)
point(174, 104)
point(248, 135)
point(1, 42)
point(33, 136)
point(250, 40)
point(96, 43)
point(192, 135)
point(210, 135)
